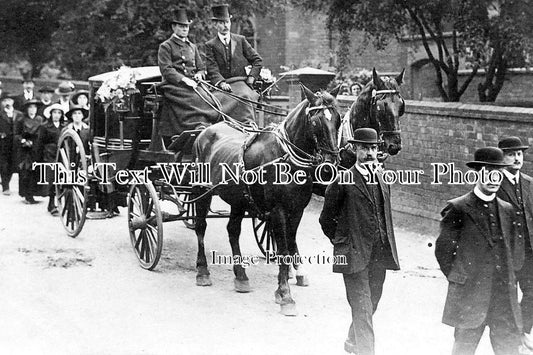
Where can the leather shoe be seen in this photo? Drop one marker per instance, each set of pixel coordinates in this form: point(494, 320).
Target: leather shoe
point(349, 346)
point(30, 200)
point(6, 192)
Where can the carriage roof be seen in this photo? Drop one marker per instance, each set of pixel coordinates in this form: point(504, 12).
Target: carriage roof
point(151, 73)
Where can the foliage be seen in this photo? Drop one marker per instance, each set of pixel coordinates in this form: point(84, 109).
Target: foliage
point(490, 34)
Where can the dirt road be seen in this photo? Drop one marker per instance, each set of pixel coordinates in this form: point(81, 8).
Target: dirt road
point(89, 296)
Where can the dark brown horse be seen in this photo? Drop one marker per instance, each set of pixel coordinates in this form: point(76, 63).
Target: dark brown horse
point(378, 106)
point(307, 137)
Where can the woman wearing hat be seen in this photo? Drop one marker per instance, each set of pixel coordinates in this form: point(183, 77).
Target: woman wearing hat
point(25, 136)
point(76, 115)
point(64, 91)
point(48, 137)
point(46, 98)
point(81, 98)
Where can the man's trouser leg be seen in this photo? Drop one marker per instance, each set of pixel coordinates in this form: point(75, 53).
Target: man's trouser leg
point(466, 340)
point(363, 290)
point(525, 281)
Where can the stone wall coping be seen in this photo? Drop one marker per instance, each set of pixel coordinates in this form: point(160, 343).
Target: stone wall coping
point(470, 111)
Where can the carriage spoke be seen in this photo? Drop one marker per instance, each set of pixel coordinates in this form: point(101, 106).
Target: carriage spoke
point(138, 240)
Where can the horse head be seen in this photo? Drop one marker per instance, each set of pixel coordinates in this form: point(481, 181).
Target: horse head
point(322, 123)
point(380, 106)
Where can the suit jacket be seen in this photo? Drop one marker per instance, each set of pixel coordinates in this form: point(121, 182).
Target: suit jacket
point(464, 252)
point(506, 193)
point(242, 55)
point(6, 136)
point(347, 219)
point(177, 59)
point(19, 100)
point(47, 140)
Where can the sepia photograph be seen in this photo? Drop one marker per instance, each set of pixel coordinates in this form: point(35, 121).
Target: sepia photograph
point(266, 177)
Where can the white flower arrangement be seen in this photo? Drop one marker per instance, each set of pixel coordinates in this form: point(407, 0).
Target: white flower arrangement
point(121, 81)
point(265, 74)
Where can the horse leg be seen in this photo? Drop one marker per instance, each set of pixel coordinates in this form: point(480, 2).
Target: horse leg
point(202, 275)
point(283, 293)
point(292, 227)
point(234, 231)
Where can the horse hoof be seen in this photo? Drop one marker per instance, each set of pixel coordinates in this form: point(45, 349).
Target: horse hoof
point(289, 310)
point(277, 297)
point(302, 281)
point(291, 273)
point(242, 286)
point(203, 280)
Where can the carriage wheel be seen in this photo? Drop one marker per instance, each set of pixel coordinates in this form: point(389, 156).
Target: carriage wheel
point(72, 198)
point(264, 236)
point(190, 214)
point(145, 224)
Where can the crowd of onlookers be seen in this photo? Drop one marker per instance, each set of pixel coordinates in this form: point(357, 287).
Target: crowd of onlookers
point(30, 127)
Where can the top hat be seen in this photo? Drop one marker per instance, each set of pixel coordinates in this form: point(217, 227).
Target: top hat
point(220, 12)
point(48, 110)
point(74, 97)
point(511, 143)
point(31, 102)
point(26, 76)
point(46, 88)
point(180, 17)
point(76, 108)
point(366, 136)
point(489, 156)
point(64, 88)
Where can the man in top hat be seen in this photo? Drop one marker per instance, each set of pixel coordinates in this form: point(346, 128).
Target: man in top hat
point(8, 116)
point(228, 54)
point(181, 66)
point(475, 250)
point(64, 90)
point(517, 189)
point(46, 98)
point(357, 218)
point(27, 91)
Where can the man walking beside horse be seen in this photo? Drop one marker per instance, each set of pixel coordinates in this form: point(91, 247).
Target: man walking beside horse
point(357, 219)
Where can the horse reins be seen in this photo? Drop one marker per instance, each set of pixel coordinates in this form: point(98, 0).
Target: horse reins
point(373, 104)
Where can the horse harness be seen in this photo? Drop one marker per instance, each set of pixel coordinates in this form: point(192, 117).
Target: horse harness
point(378, 95)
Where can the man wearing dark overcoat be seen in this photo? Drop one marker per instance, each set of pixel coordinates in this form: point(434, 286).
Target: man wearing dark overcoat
point(475, 250)
point(357, 218)
point(180, 64)
point(27, 91)
point(8, 116)
point(517, 189)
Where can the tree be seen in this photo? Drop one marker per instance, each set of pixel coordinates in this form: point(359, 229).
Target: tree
point(100, 35)
point(448, 31)
point(27, 28)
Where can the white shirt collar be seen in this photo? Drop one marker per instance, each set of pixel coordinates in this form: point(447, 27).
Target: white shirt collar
point(512, 177)
point(361, 169)
point(28, 95)
point(482, 196)
point(224, 38)
point(185, 40)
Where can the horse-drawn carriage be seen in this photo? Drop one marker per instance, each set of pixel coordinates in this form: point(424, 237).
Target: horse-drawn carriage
point(124, 132)
point(125, 139)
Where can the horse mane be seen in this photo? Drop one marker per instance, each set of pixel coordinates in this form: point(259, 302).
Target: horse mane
point(324, 98)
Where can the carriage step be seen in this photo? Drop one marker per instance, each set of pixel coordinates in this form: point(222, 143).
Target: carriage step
point(168, 217)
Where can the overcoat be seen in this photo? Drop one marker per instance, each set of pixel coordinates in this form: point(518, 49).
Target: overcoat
point(506, 193)
point(177, 59)
point(242, 55)
point(347, 219)
point(6, 139)
point(464, 252)
point(28, 129)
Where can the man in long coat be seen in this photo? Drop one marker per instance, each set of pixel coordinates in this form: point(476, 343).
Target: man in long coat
point(475, 250)
point(180, 65)
point(8, 116)
point(357, 218)
point(517, 189)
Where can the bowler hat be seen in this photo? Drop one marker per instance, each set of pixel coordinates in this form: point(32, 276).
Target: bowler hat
point(76, 108)
point(48, 111)
point(65, 88)
point(74, 97)
point(366, 136)
point(511, 143)
point(220, 12)
point(31, 102)
point(46, 88)
point(488, 156)
point(180, 17)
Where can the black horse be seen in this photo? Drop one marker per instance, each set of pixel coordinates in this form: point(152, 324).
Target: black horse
point(378, 106)
point(305, 138)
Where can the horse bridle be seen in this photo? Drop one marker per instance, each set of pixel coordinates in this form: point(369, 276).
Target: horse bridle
point(373, 105)
point(313, 123)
